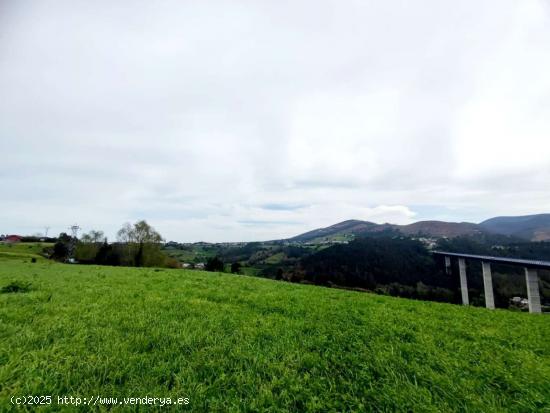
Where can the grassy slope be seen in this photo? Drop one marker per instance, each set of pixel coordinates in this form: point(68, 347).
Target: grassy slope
point(23, 250)
point(234, 343)
point(194, 254)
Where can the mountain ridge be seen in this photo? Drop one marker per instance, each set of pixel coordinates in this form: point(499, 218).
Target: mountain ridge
point(534, 227)
point(528, 227)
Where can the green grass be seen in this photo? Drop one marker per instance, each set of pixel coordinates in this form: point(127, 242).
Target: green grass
point(332, 238)
point(194, 254)
point(23, 250)
point(252, 271)
point(275, 258)
point(236, 343)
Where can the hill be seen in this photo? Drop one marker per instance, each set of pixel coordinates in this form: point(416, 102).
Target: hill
point(530, 227)
point(440, 229)
point(347, 230)
point(24, 250)
point(236, 343)
point(379, 264)
point(343, 229)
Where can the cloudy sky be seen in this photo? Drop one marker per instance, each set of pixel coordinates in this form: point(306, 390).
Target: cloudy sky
point(255, 120)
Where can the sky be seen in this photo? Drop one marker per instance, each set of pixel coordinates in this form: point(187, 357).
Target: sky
point(257, 120)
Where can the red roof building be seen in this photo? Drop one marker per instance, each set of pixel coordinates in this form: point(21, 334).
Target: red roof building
point(13, 239)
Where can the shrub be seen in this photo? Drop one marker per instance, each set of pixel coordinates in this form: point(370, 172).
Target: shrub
point(236, 268)
point(214, 264)
point(172, 263)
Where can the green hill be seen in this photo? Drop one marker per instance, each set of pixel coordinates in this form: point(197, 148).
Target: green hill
point(23, 250)
point(236, 343)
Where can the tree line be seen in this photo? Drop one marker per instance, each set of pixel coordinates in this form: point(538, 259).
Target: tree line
point(397, 266)
point(404, 267)
point(137, 245)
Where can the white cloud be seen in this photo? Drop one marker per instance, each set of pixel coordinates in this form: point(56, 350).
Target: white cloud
point(503, 129)
point(198, 115)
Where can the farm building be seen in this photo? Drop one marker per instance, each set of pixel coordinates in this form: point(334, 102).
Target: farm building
point(12, 239)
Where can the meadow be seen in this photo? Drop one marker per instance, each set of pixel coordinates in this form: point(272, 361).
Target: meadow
point(23, 250)
point(237, 343)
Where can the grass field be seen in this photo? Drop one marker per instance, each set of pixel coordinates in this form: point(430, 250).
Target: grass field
point(236, 343)
point(23, 250)
point(192, 254)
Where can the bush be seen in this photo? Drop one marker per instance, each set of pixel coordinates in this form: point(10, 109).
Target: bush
point(60, 251)
point(236, 268)
point(214, 264)
point(172, 263)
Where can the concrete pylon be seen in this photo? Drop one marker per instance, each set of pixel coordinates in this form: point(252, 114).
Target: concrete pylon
point(463, 281)
point(488, 285)
point(533, 295)
point(447, 264)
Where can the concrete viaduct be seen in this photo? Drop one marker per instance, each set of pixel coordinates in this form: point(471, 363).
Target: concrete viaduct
point(531, 276)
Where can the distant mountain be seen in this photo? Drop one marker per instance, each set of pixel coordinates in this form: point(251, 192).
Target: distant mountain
point(440, 229)
point(351, 227)
point(530, 227)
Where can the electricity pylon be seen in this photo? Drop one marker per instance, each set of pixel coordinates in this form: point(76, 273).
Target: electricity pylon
point(74, 238)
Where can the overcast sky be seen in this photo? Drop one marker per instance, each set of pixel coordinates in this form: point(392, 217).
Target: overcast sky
point(256, 120)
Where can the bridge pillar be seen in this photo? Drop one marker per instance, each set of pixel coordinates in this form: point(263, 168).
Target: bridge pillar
point(488, 285)
point(533, 295)
point(447, 264)
point(463, 281)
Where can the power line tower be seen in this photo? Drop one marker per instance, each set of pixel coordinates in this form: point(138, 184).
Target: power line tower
point(46, 229)
point(74, 238)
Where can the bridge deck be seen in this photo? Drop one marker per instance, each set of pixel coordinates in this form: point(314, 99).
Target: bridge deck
point(500, 260)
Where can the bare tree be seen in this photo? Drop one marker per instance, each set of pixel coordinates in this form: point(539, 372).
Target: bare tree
point(93, 237)
point(88, 246)
point(141, 242)
point(139, 233)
